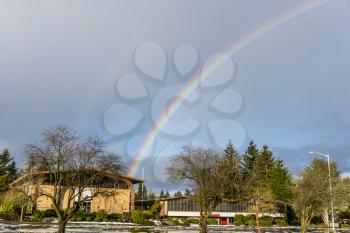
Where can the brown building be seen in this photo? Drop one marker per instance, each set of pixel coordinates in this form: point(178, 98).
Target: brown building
point(121, 187)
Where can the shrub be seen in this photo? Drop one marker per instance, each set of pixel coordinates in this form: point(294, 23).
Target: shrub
point(193, 220)
point(155, 210)
point(141, 217)
point(250, 220)
point(175, 221)
point(281, 222)
point(11, 209)
point(212, 221)
point(266, 221)
point(98, 219)
point(88, 219)
point(185, 223)
point(9, 216)
point(37, 214)
point(101, 214)
point(49, 213)
point(239, 220)
point(7, 207)
point(115, 217)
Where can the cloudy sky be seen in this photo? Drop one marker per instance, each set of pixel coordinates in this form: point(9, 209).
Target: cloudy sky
point(113, 67)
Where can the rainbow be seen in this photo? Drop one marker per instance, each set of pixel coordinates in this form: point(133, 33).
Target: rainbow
point(233, 50)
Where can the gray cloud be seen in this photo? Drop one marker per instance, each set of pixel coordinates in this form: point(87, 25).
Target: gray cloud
point(59, 62)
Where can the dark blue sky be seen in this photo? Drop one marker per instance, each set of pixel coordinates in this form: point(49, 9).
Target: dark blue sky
point(60, 62)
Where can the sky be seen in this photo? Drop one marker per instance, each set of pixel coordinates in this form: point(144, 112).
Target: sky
point(113, 67)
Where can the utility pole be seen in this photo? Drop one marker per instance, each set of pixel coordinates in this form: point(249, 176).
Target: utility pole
point(143, 176)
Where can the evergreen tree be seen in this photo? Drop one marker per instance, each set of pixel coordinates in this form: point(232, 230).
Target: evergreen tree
point(268, 180)
point(264, 162)
point(167, 194)
point(178, 194)
point(161, 194)
point(8, 170)
point(187, 193)
point(138, 194)
point(231, 165)
point(280, 182)
point(249, 158)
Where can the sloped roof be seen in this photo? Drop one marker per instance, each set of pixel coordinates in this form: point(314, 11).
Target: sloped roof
point(133, 180)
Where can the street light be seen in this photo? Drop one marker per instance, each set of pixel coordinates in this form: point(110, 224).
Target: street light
point(330, 184)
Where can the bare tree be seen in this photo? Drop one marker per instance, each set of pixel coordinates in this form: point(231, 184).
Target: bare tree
point(70, 167)
point(204, 171)
point(305, 202)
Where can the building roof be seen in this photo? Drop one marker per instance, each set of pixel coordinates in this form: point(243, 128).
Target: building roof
point(172, 198)
point(133, 180)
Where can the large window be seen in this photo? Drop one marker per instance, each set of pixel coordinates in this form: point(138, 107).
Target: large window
point(190, 205)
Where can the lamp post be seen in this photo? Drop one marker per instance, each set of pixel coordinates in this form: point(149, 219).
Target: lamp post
point(330, 184)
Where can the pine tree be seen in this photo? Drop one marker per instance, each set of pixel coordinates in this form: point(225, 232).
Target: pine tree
point(167, 194)
point(187, 193)
point(161, 194)
point(280, 182)
point(138, 194)
point(264, 162)
point(231, 165)
point(249, 158)
point(268, 180)
point(8, 170)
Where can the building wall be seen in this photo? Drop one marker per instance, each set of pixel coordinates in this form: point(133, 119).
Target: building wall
point(117, 202)
point(43, 202)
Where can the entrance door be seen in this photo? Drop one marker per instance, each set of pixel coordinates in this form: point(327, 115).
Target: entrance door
point(87, 207)
point(223, 221)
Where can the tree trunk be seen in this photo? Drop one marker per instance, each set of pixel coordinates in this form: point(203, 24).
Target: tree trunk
point(22, 213)
point(61, 225)
point(305, 219)
point(257, 220)
point(203, 223)
point(325, 216)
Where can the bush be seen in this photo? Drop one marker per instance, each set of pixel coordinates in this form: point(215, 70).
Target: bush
point(239, 220)
point(98, 219)
point(11, 209)
point(185, 222)
point(266, 221)
point(175, 221)
point(49, 213)
point(212, 221)
point(155, 210)
point(101, 214)
point(9, 216)
point(115, 217)
point(250, 220)
point(193, 220)
point(141, 217)
point(281, 222)
point(37, 214)
point(88, 219)
point(7, 207)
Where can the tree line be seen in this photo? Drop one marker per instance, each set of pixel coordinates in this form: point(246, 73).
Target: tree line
point(262, 179)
